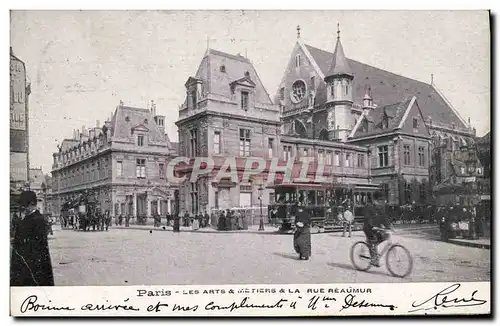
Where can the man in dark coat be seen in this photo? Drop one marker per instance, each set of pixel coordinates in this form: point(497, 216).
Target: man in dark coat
point(30, 257)
point(375, 218)
point(221, 224)
point(177, 223)
point(302, 235)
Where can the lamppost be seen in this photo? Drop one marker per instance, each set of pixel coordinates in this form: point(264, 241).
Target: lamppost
point(44, 190)
point(261, 223)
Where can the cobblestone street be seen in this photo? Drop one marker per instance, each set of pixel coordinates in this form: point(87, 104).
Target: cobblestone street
point(135, 257)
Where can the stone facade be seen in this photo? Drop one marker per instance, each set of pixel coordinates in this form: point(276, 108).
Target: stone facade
point(123, 163)
point(19, 123)
point(227, 113)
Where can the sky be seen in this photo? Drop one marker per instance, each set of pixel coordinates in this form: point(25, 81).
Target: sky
point(82, 63)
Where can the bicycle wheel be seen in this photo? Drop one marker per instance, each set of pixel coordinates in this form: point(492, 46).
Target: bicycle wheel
point(399, 261)
point(360, 256)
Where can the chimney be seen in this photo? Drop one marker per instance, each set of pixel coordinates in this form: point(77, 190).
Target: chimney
point(97, 124)
point(153, 108)
point(91, 133)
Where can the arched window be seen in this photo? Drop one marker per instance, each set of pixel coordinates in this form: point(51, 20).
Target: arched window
point(323, 134)
point(297, 61)
point(300, 128)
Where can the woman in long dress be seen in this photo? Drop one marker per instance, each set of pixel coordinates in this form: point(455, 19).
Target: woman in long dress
point(221, 224)
point(302, 235)
point(196, 222)
point(177, 223)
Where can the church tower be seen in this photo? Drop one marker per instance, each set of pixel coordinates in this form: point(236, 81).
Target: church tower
point(339, 98)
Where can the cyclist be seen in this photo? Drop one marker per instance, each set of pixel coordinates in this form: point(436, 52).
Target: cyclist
point(375, 223)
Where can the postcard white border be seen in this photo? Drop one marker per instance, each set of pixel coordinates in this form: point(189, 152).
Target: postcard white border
point(253, 300)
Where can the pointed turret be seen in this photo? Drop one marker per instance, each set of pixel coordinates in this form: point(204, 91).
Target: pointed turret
point(339, 66)
point(339, 97)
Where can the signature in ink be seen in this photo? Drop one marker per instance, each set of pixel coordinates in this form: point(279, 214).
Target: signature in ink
point(30, 304)
point(442, 299)
point(351, 302)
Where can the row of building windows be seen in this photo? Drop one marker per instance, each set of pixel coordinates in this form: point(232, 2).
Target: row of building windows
point(409, 194)
point(86, 173)
point(383, 155)
point(330, 157)
point(140, 169)
point(407, 157)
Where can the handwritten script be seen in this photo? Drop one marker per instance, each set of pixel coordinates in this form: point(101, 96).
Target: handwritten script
point(350, 301)
point(447, 298)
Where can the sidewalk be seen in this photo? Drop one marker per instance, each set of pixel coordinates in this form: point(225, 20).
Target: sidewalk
point(479, 243)
point(251, 229)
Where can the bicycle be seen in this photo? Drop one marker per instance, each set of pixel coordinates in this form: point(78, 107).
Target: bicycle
point(361, 250)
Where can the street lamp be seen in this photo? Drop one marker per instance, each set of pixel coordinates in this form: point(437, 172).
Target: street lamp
point(261, 223)
point(44, 190)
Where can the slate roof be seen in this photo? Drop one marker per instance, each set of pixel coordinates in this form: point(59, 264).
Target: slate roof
point(388, 88)
point(394, 112)
point(339, 64)
point(136, 116)
point(484, 139)
point(218, 82)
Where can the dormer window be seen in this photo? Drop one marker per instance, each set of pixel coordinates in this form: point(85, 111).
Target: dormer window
point(346, 88)
point(222, 68)
point(146, 121)
point(140, 140)
point(385, 122)
point(194, 100)
point(282, 93)
point(127, 118)
point(415, 123)
point(160, 122)
point(364, 126)
point(244, 100)
point(297, 61)
point(247, 74)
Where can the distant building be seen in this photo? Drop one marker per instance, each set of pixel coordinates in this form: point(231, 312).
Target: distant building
point(19, 124)
point(123, 163)
point(227, 113)
point(37, 184)
point(343, 101)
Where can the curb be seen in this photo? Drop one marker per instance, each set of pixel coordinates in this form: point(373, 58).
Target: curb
point(470, 244)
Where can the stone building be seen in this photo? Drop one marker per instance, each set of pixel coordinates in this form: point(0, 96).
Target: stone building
point(227, 112)
point(123, 163)
point(37, 184)
point(330, 97)
point(19, 123)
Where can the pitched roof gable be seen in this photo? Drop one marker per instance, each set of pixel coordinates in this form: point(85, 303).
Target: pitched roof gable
point(389, 88)
point(339, 64)
point(136, 119)
point(218, 70)
point(395, 112)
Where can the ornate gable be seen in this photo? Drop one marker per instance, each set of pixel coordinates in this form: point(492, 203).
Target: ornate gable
point(245, 82)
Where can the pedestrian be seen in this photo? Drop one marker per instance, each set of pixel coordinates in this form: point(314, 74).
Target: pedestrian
point(30, 256)
point(348, 218)
point(302, 234)
point(196, 222)
point(221, 224)
point(169, 219)
point(186, 219)
point(157, 220)
point(108, 220)
point(177, 223)
point(127, 220)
